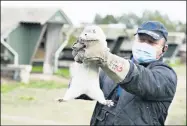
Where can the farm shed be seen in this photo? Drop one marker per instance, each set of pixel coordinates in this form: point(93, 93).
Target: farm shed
point(33, 33)
point(176, 42)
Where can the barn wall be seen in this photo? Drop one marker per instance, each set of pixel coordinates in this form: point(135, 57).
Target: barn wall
point(17, 40)
point(35, 31)
point(23, 39)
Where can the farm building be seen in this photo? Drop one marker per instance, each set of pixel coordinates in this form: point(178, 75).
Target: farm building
point(32, 35)
point(176, 43)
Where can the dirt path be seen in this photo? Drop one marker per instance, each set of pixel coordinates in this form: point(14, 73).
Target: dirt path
point(23, 120)
point(45, 110)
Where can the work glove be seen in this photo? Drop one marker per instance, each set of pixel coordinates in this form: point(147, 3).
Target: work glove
point(95, 51)
point(89, 52)
point(78, 51)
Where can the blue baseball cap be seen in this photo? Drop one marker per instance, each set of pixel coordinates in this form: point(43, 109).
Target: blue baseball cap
point(154, 29)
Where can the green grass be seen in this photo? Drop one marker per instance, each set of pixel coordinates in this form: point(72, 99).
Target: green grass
point(63, 72)
point(27, 98)
point(46, 85)
point(175, 64)
point(37, 69)
point(7, 87)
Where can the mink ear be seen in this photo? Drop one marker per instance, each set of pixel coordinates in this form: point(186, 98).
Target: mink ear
point(94, 31)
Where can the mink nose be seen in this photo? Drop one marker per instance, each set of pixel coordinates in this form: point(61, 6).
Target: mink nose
point(85, 34)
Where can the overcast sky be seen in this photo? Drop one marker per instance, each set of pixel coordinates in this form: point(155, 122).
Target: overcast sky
point(84, 11)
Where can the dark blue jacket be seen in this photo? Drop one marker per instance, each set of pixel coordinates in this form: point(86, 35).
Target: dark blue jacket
point(147, 92)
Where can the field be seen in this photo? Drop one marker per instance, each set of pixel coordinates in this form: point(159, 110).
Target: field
point(35, 103)
point(177, 110)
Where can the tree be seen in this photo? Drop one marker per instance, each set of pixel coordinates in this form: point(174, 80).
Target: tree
point(131, 20)
point(98, 19)
point(157, 16)
point(108, 19)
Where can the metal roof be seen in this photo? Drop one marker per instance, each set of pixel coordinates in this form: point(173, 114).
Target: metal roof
point(12, 16)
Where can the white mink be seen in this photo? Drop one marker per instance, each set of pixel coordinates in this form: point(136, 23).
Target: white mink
point(85, 77)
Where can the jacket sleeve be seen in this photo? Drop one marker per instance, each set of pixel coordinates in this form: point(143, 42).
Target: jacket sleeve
point(156, 83)
point(84, 96)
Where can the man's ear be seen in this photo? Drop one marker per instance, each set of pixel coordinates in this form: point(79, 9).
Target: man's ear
point(165, 48)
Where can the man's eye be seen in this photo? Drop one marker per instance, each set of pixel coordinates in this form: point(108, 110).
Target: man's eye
point(141, 40)
point(151, 42)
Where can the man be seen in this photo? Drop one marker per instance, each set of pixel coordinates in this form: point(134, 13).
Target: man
point(142, 88)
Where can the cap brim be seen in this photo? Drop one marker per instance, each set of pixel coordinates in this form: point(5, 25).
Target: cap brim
point(150, 33)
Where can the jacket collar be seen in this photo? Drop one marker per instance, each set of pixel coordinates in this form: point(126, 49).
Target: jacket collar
point(145, 64)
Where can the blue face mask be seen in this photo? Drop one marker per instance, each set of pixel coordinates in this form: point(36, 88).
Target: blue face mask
point(143, 52)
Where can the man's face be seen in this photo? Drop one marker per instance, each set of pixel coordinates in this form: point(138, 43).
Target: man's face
point(157, 44)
